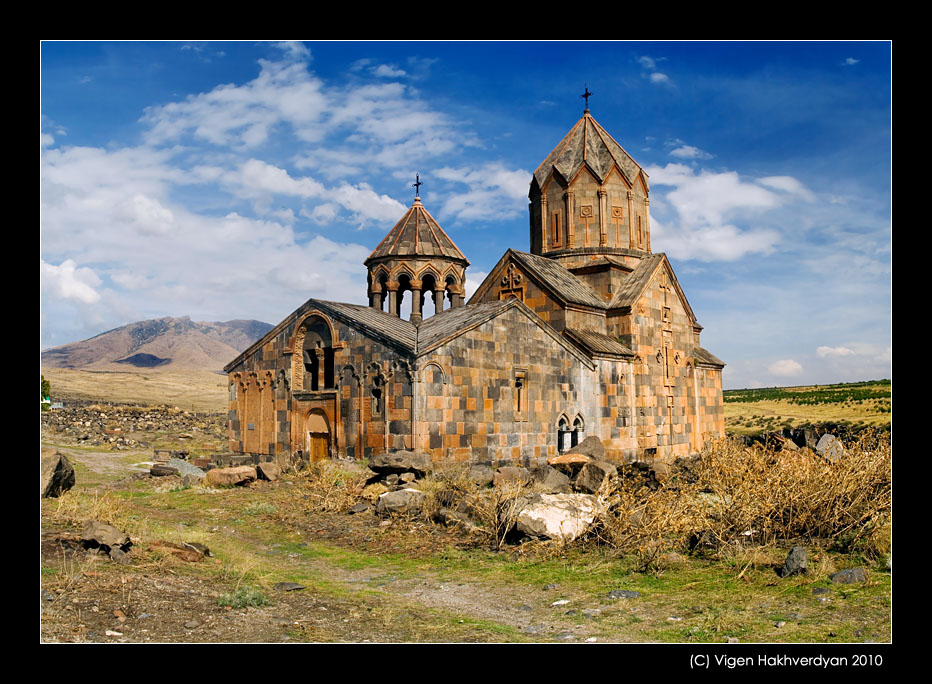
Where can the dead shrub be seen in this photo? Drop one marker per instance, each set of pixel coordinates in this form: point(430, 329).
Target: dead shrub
point(330, 488)
point(754, 496)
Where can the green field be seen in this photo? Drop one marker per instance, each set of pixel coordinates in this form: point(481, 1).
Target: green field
point(751, 411)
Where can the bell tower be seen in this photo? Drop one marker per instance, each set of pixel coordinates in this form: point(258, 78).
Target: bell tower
point(416, 256)
point(589, 199)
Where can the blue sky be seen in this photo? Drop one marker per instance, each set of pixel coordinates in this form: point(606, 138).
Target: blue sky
point(227, 180)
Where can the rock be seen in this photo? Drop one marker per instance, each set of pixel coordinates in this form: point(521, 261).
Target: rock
point(789, 445)
point(569, 463)
point(361, 507)
point(795, 563)
point(56, 474)
point(623, 593)
point(400, 502)
point(197, 546)
point(482, 475)
point(453, 518)
point(269, 471)
point(849, 576)
point(107, 537)
point(591, 613)
point(162, 470)
point(406, 478)
point(558, 516)
point(288, 586)
point(551, 480)
point(184, 552)
point(821, 590)
point(228, 477)
point(511, 474)
point(119, 556)
point(672, 558)
point(830, 448)
point(592, 475)
point(591, 446)
point(190, 480)
point(397, 462)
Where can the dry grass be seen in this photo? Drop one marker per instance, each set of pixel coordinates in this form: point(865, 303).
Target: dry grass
point(757, 497)
point(330, 488)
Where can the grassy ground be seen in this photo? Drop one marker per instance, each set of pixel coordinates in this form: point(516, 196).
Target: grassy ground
point(409, 581)
point(754, 411)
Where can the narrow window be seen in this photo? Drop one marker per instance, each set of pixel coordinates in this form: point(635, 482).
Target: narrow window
point(555, 223)
point(520, 394)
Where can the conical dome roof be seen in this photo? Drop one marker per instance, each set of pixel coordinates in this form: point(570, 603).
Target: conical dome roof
point(588, 143)
point(417, 234)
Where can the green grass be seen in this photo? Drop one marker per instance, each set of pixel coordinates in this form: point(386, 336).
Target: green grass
point(244, 597)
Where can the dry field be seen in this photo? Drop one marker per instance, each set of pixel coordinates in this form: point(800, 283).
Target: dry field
point(190, 390)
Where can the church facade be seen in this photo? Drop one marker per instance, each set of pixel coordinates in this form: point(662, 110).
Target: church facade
point(588, 333)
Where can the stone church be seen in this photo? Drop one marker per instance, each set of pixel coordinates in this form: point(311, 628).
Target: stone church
point(587, 333)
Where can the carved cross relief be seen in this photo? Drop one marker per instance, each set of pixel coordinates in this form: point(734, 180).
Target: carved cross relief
point(512, 284)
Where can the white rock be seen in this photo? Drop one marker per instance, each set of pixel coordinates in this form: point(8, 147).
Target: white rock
point(559, 516)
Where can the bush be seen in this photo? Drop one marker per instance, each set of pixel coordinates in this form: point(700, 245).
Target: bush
point(243, 597)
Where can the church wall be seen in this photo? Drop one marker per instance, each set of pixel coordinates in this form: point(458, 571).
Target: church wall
point(473, 410)
point(666, 414)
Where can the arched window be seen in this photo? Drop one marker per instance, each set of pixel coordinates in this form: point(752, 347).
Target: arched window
point(579, 427)
point(563, 434)
point(317, 354)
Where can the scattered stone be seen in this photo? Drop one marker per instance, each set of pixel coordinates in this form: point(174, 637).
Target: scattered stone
point(558, 516)
point(288, 586)
point(403, 501)
point(197, 546)
point(569, 463)
point(406, 478)
point(511, 474)
point(158, 470)
point(561, 602)
point(733, 640)
point(361, 507)
point(190, 554)
point(593, 474)
point(821, 590)
point(849, 576)
point(591, 446)
point(228, 477)
point(779, 623)
point(453, 518)
point(795, 563)
point(56, 474)
point(524, 607)
point(548, 587)
point(830, 448)
point(551, 480)
point(591, 613)
point(672, 558)
point(535, 629)
point(269, 471)
point(482, 475)
point(674, 619)
point(623, 593)
point(565, 636)
point(119, 556)
point(106, 537)
point(192, 624)
point(397, 462)
point(111, 632)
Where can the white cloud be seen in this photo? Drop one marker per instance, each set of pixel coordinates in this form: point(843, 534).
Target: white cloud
point(689, 152)
point(493, 191)
point(388, 71)
point(658, 77)
point(789, 185)
point(785, 368)
point(825, 352)
point(66, 281)
point(851, 61)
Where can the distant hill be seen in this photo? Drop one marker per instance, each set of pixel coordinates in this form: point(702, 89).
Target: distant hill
point(163, 343)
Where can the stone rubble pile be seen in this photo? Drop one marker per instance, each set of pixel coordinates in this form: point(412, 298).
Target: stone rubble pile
point(126, 427)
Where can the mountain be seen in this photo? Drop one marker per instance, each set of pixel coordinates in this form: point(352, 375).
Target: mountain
point(169, 343)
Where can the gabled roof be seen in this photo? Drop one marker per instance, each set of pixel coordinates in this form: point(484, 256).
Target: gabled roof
point(590, 144)
point(706, 359)
point(568, 287)
point(417, 234)
point(598, 344)
point(638, 280)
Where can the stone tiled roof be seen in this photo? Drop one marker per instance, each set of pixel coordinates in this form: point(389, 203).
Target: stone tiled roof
point(391, 328)
point(566, 285)
point(449, 323)
point(636, 281)
point(705, 358)
point(587, 143)
point(417, 234)
point(598, 344)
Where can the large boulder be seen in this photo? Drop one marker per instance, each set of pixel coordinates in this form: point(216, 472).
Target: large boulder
point(228, 477)
point(481, 474)
point(511, 475)
point(830, 448)
point(795, 563)
point(591, 446)
point(107, 537)
point(551, 480)
point(397, 462)
point(559, 516)
point(400, 502)
point(593, 475)
point(569, 463)
point(56, 474)
point(270, 471)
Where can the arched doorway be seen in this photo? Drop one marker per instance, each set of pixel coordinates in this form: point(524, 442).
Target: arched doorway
point(317, 435)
